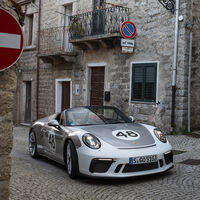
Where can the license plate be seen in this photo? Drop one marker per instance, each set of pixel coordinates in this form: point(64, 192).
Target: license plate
point(143, 159)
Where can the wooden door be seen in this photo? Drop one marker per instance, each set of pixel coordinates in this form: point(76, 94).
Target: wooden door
point(65, 100)
point(97, 86)
point(28, 102)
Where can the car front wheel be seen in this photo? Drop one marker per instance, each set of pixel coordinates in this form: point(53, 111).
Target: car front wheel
point(72, 160)
point(33, 145)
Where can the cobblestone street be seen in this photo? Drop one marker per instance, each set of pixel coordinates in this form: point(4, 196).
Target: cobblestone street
point(43, 179)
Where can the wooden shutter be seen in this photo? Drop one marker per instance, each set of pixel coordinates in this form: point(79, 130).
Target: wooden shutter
point(30, 29)
point(150, 83)
point(137, 83)
point(144, 79)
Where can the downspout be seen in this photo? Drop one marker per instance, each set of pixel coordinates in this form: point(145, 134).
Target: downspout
point(175, 67)
point(189, 68)
point(38, 61)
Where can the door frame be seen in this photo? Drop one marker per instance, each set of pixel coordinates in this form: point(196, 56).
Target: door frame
point(88, 80)
point(58, 93)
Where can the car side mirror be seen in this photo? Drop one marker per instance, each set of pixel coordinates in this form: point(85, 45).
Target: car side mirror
point(54, 123)
point(132, 119)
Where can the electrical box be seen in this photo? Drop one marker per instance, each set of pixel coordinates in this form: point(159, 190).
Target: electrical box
point(76, 89)
point(107, 95)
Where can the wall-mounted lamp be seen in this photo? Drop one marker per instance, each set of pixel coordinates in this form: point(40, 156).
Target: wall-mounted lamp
point(168, 4)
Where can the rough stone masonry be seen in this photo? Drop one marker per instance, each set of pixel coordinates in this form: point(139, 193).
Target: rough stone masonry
point(7, 90)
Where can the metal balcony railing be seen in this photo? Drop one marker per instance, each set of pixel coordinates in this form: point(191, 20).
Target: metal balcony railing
point(98, 22)
point(55, 41)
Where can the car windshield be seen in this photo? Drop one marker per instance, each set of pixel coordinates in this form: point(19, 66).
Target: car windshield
point(85, 116)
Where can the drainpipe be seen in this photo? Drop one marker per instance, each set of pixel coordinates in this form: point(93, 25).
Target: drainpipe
point(175, 67)
point(189, 69)
point(38, 61)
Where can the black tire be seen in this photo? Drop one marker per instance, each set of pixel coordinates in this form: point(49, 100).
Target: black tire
point(33, 145)
point(72, 160)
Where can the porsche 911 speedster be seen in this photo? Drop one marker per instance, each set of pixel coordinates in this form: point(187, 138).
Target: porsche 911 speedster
point(100, 141)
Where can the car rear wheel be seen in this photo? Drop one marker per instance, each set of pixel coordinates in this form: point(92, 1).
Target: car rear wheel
point(72, 160)
point(33, 145)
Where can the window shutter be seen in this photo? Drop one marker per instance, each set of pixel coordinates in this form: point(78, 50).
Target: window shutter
point(144, 81)
point(150, 83)
point(30, 29)
point(137, 83)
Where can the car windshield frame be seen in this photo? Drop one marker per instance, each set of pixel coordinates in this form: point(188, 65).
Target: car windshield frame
point(91, 116)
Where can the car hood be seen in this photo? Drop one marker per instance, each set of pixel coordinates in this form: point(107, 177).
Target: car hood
point(108, 134)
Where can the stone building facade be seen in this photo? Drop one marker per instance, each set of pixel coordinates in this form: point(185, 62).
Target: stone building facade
point(195, 73)
point(8, 82)
point(82, 55)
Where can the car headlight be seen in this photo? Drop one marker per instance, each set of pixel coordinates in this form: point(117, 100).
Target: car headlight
point(160, 135)
point(91, 141)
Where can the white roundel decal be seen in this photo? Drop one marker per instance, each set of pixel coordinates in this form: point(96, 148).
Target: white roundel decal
point(126, 134)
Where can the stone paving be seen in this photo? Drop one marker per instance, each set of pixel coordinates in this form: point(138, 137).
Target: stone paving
point(43, 179)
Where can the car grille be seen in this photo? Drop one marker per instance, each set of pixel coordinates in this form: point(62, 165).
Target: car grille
point(140, 167)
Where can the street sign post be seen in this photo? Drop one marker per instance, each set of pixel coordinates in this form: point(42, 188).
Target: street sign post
point(128, 29)
point(11, 40)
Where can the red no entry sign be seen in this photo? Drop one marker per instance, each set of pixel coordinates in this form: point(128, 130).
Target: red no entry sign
point(128, 29)
point(11, 40)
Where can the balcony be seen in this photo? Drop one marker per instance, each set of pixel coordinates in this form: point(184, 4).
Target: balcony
point(100, 27)
point(55, 47)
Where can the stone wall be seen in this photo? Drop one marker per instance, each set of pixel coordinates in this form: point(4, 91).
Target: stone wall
point(154, 42)
point(195, 75)
point(48, 72)
point(48, 75)
point(27, 71)
point(51, 17)
point(7, 90)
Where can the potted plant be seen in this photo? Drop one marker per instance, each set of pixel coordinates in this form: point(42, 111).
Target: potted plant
point(76, 30)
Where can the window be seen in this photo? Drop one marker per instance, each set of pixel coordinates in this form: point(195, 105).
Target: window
point(98, 17)
point(144, 79)
point(29, 30)
point(68, 12)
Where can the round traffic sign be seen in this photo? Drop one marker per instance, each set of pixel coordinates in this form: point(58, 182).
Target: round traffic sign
point(128, 29)
point(11, 40)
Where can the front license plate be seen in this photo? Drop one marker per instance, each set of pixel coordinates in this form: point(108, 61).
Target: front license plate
point(143, 159)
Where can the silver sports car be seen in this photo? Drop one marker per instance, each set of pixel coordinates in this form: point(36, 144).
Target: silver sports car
point(100, 141)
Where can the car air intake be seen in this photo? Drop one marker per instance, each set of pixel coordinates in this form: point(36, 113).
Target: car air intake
point(100, 165)
point(168, 157)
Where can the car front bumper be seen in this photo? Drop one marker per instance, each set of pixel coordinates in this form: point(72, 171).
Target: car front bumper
point(115, 163)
